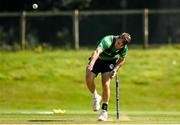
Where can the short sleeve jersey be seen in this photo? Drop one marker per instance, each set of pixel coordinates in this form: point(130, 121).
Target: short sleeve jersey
point(109, 51)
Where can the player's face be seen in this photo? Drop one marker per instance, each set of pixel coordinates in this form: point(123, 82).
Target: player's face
point(119, 43)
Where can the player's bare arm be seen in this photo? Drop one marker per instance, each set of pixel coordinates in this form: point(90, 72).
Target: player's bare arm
point(119, 63)
point(94, 57)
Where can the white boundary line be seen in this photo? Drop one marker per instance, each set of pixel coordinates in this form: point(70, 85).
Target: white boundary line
point(91, 112)
point(152, 113)
point(95, 124)
point(29, 113)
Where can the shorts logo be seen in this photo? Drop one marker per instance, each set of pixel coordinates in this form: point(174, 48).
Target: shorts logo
point(111, 66)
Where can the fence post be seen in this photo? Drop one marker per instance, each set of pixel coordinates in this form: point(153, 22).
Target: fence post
point(23, 30)
point(76, 29)
point(145, 28)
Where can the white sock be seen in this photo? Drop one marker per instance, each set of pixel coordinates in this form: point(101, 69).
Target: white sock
point(95, 94)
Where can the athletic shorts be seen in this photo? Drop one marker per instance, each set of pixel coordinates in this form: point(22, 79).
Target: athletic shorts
point(102, 66)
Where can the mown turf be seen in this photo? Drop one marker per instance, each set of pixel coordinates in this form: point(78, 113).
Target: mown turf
point(86, 118)
point(149, 81)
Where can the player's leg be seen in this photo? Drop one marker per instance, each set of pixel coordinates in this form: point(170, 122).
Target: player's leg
point(90, 76)
point(106, 87)
point(105, 95)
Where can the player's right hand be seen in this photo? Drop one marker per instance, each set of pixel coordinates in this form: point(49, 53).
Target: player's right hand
point(89, 67)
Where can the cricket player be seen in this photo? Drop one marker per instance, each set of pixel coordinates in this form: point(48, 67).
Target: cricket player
point(106, 59)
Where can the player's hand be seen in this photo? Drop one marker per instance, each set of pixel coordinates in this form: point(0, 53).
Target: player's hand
point(113, 74)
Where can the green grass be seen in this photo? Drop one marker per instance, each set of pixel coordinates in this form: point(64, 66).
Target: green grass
point(87, 118)
point(49, 80)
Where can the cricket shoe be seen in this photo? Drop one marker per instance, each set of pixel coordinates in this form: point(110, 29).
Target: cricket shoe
point(96, 103)
point(103, 116)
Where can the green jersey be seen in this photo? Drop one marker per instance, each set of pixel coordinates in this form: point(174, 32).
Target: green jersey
point(109, 51)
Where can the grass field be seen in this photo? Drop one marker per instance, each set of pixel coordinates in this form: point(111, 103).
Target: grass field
point(90, 118)
point(30, 81)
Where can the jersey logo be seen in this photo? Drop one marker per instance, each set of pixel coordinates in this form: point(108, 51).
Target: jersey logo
point(111, 53)
point(111, 66)
point(108, 53)
point(117, 51)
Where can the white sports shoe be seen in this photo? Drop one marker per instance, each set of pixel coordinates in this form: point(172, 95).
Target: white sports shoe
point(103, 116)
point(96, 103)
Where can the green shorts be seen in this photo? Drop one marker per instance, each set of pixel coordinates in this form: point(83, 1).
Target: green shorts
point(102, 66)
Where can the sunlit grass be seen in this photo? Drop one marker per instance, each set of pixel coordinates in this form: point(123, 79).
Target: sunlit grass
point(149, 81)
